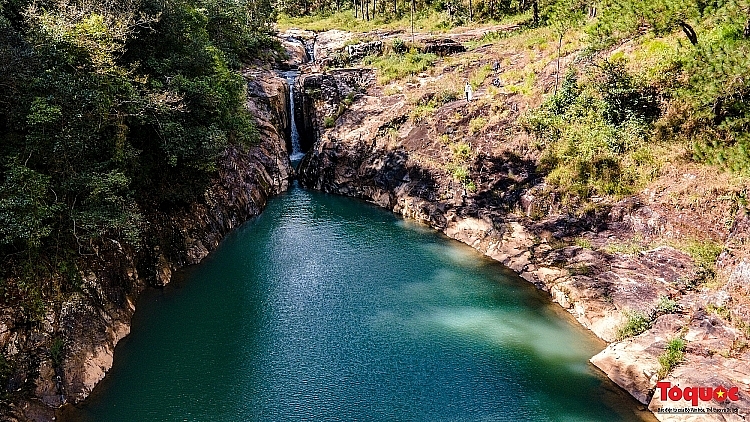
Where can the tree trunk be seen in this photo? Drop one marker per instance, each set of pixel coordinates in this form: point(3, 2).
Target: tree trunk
point(717, 111)
point(395, 9)
point(559, 51)
point(746, 32)
point(412, 21)
point(355, 9)
point(366, 4)
point(471, 12)
point(535, 7)
point(689, 31)
point(374, 5)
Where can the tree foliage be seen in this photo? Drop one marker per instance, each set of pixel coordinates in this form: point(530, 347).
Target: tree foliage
point(111, 109)
point(452, 12)
point(596, 133)
point(707, 73)
point(593, 133)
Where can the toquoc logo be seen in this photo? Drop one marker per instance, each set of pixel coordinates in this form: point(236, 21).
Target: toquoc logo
point(695, 394)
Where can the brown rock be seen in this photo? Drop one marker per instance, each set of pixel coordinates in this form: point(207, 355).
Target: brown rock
point(443, 47)
point(633, 365)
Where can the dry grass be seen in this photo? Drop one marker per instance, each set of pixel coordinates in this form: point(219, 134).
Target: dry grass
point(704, 200)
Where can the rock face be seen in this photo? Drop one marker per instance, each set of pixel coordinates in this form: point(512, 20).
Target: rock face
point(329, 42)
point(298, 46)
point(320, 96)
point(443, 47)
point(359, 51)
point(66, 355)
point(378, 151)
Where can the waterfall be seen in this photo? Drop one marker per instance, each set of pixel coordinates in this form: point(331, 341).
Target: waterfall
point(296, 154)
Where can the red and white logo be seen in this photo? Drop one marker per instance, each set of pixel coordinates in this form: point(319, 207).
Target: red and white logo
point(694, 395)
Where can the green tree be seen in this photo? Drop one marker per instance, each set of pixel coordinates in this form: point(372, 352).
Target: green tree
point(25, 206)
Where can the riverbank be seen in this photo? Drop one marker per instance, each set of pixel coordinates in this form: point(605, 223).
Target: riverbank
point(327, 307)
point(61, 360)
point(470, 171)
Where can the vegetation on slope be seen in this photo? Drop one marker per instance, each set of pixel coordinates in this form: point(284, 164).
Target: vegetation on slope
point(606, 99)
point(109, 110)
point(605, 128)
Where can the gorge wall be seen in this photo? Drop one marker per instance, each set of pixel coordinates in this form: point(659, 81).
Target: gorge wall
point(375, 149)
point(60, 360)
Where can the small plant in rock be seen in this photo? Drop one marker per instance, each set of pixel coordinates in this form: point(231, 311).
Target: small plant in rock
point(399, 46)
point(666, 306)
point(329, 122)
point(446, 95)
point(582, 242)
point(477, 124)
point(391, 90)
point(56, 352)
point(349, 99)
point(705, 254)
point(461, 152)
point(478, 76)
point(720, 310)
point(581, 269)
point(461, 173)
point(630, 247)
point(636, 323)
point(421, 112)
point(672, 356)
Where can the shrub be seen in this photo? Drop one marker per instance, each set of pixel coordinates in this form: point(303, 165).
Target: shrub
point(426, 105)
point(673, 355)
point(593, 134)
point(56, 352)
point(397, 66)
point(623, 97)
point(329, 122)
point(399, 46)
point(636, 323)
point(446, 95)
point(666, 306)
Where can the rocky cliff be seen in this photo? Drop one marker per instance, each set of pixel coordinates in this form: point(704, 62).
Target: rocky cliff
point(61, 359)
point(378, 148)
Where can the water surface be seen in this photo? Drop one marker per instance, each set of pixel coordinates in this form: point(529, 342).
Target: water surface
point(328, 309)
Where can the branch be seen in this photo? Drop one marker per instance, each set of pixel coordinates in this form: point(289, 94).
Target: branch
point(689, 31)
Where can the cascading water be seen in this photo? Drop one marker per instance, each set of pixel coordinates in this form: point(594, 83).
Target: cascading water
point(296, 154)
